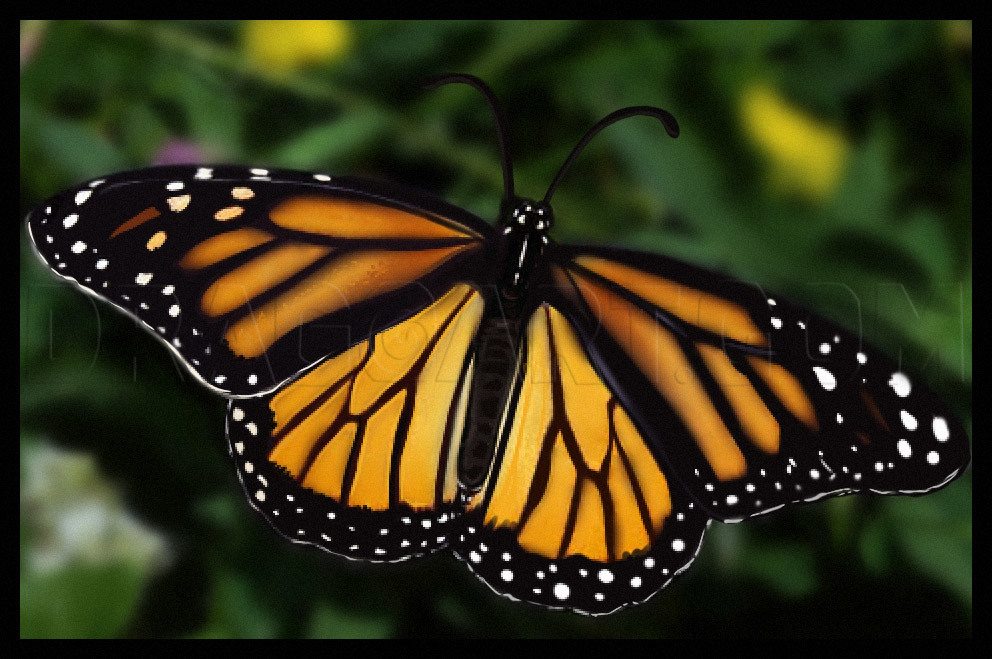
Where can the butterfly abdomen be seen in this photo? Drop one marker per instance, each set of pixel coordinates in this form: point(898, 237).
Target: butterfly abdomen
point(495, 366)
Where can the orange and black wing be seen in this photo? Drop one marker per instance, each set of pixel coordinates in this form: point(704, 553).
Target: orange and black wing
point(252, 275)
point(577, 511)
point(358, 454)
point(751, 402)
point(338, 316)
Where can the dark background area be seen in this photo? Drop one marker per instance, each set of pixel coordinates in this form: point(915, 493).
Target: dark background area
point(829, 162)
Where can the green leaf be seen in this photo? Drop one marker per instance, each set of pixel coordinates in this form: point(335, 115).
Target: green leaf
point(78, 149)
point(328, 621)
point(333, 142)
point(935, 534)
point(236, 611)
point(80, 601)
point(787, 568)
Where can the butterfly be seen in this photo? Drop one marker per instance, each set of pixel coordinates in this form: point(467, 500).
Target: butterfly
point(403, 377)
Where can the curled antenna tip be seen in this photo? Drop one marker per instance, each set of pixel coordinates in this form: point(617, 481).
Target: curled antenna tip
point(434, 81)
point(671, 125)
point(665, 117)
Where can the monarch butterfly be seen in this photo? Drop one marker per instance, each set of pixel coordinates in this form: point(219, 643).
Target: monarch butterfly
point(403, 377)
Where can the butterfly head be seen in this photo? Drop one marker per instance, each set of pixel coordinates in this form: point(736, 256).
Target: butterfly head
point(529, 216)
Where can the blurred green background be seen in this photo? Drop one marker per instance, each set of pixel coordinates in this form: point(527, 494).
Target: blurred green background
point(830, 162)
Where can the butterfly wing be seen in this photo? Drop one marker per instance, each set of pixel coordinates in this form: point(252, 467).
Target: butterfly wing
point(337, 315)
point(357, 455)
point(752, 402)
point(577, 512)
point(251, 276)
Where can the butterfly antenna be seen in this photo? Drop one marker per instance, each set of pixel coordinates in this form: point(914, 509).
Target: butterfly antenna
point(504, 150)
point(671, 127)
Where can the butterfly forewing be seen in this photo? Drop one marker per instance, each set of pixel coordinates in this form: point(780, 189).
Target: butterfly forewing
point(753, 402)
point(577, 512)
point(251, 275)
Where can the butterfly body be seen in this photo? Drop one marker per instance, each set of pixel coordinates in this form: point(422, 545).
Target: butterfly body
point(522, 236)
point(404, 377)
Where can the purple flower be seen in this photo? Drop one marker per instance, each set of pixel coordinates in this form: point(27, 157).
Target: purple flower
point(179, 152)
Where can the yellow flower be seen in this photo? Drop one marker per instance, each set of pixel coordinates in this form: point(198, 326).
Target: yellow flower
point(806, 156)
point(958, 34)
point(285, 46)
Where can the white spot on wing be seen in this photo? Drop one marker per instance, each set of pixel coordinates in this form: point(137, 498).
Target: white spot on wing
point(826, 378)
point(900, 384)
point(940, 429)
point(908, 420)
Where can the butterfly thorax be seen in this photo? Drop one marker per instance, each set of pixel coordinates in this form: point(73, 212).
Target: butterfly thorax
point(524, 234)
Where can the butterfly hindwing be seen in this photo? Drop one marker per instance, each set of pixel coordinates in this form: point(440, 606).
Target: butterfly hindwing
point(253, 275)
point(577, 512)
point(753, 402)
point(357, 455)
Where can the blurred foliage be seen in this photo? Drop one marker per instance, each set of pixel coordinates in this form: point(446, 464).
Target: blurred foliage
point(830, 162)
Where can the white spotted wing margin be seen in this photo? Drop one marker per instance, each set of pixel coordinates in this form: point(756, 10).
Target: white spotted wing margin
point(307, 517)
point(577, 583)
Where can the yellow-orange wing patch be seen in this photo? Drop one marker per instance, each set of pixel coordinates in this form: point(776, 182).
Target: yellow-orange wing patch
point(727, 414)
point(336, 217)
point(576, 490)
point(374, 429)
point(273, 287)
